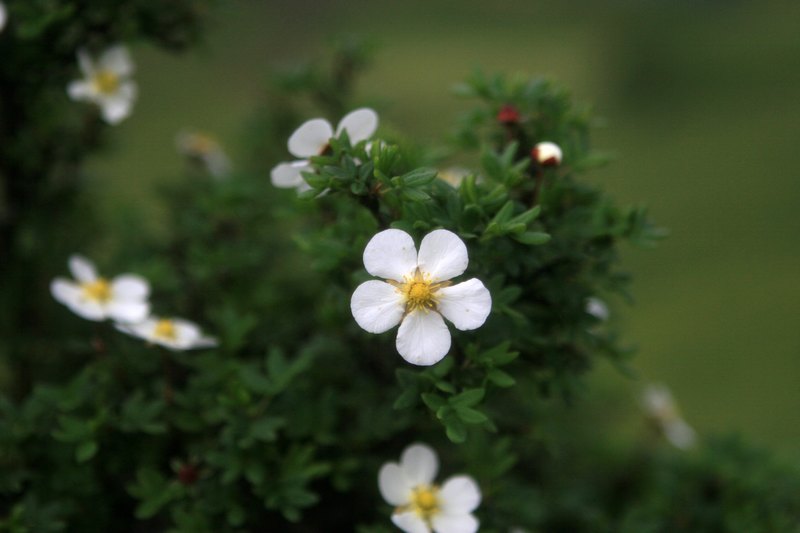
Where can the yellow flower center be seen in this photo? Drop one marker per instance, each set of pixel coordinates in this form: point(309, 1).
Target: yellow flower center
point(200, 144)
point(420, 292)
point(105, 82)
point(98, 290)
point(165, 329)
point(425, 501)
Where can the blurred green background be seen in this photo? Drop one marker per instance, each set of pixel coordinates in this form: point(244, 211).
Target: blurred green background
point(699, 101)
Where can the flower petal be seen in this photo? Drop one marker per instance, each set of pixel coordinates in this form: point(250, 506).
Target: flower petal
point(288, 175)
point(118, 107)
point(466, 305)
point(80, 90)
point(130, 287)
point(65, 291)
point(458, 523)
point(118, 60)
point(679, 434)
point(377, 306)
point(391, 254)
point(3, 16)
point(460, 495)
point(127, 311)
point(410, 522)
point(310, 138)
point(419, 464)
point(85, 63)
point(442, 255)
point(360, 124)
point(393, 485)
point(82, 269)
point(423, 338)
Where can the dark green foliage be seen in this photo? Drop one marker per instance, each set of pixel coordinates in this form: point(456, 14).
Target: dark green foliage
point(285, 425)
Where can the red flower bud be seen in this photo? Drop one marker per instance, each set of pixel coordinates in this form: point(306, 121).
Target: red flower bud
point(508, 114)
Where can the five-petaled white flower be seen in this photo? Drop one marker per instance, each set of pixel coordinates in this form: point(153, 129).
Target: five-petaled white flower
point(106, 83)
point(123, 299)
point(422, 506)
point(417, 293)
point(663, 411)
point(205, 150)
point(312, 138)
point(172, 333)
point(547, 154)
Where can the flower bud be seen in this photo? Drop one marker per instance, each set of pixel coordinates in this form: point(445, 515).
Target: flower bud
point(547, 154)
point(508, 114)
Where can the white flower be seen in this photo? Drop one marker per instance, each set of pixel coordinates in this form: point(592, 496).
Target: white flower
point(422, 506)
point(3, 16)
point(453, 176)
point(417, 293)
point(206, 150)
point(662, 409)
point(106, 83)
point(597, 308)
point(172, 333)
point(123, 299)
point(312, 138)
point(547, 154)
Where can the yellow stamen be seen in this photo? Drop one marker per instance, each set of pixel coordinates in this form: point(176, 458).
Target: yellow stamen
point(425, 501)
point(165, 329)
point(199, 144)
point(98, 290)
point(105, 82)
point(420, 292)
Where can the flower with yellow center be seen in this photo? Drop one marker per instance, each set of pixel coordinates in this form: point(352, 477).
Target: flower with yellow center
point(418, 293)
point(106, 83)
point(420, 505)
point(123, 299)
point(172, 333)
point(312, 138)
point(663, 412)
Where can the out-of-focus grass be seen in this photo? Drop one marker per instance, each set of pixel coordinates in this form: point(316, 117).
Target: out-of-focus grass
point(701, 105)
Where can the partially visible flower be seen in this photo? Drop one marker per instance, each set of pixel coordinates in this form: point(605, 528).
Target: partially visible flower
point(453, 175)
point(547, 154)
point(3, 16)
point(312, 138)
point(422, 506)
point(106, 83)
point(597, 308)
point(662, 410)
point(124, 298)
point(417, 293)
point(204, 149)
point(172, 333)
point(508, 114)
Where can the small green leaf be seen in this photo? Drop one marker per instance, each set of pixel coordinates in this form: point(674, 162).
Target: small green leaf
point(433, 401)
point(471, 416)
point(85, 451)
point(455, 430)
point(500, 378)
point(531, 237)
point(468, 398)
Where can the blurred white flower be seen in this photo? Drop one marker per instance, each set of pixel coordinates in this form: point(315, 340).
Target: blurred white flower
point(420, 505)
point(123, 299)
point(547, 154)
point(662, 410)
point(172, 333)
point(417, 293)
point(3, 16)
point(204, 149)
point(453, 175)
point(106, 83)
point(597, 308)
point(312, 138)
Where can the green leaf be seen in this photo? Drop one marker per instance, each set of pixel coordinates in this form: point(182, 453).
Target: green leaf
point(455, 430)
point(86, 450)
point(531, 238)
point(432, 400)
point(500, 378)
point(407, 398)
point(467, 398)
point(471, 416)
